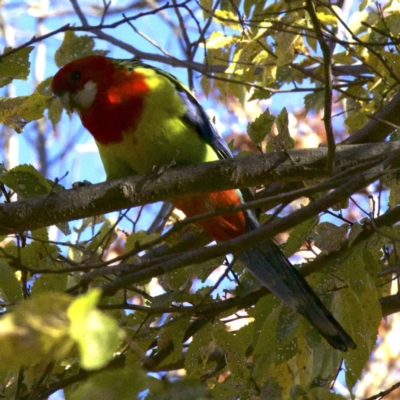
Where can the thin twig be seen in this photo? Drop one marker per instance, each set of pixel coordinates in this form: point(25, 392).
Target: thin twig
point(327, 56)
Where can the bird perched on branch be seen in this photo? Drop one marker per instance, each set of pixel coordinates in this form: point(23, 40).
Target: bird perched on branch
point(141, 117)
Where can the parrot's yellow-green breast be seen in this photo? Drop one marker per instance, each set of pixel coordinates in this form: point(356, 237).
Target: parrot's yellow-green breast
point(161, 136)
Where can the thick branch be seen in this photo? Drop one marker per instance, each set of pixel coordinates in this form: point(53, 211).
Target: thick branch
point(266, 231)
point(115, 195)
point(380, 126)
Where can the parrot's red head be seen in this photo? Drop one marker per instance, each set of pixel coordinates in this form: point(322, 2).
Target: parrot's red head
point(107, 96)
point(77, 83)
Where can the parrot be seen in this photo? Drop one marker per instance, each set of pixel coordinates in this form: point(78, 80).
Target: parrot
point(142, 117)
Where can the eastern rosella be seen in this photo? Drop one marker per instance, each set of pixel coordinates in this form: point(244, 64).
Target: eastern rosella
point(141, 117)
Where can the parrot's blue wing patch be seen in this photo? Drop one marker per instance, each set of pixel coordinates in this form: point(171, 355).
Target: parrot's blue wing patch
point(196, 116)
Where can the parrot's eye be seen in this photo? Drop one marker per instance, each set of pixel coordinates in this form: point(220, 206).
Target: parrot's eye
point(75, 76)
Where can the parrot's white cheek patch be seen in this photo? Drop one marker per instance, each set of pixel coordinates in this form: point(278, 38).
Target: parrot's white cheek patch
point(85, 97)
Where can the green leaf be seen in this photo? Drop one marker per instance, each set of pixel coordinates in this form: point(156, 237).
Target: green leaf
point(285, 341)
point(173, 335)
point(345, 57)
point(329, 237)
point(98, 336)
point(16, 112)
point(283, 140)
point(74, 47)
point(262, 94)
point(35, 254)
point(26, 181)
point(355, 230)
point(356, 120)
point(266, 316)
point(36, 331)
point(362, 311)
point(9, 284)
point(121, 384)
point(393, 184)
point(105, 236)
point(182, 278)
point(49, 283)
point(314, 101)
point(263, 359)
point(392, 23)
point(298, 235)
point(206, 6)
point(233, 346)
point(139, 239)
point(179, 389)
point(260, 127)
point(197, 357)
point(287, 46)
point(320, 393)
point(54, 112)
point(364, 4)
point(14, 66)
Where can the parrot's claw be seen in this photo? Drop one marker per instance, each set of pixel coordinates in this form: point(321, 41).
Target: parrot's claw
point(80, 184)
point(160, 169)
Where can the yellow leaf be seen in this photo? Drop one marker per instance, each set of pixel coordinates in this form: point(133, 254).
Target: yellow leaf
point(326, 18)
point(228, 18)
point(218, 40)
point(74, 47)
point(97, 334)
point(37, 330)
point(286, 47)
point(16, 112)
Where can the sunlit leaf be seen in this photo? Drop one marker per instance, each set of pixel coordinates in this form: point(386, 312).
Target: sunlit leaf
point(16, 112)
point(14, 66)
point(218, 40)
point(260, 127)
point(10, 286)
point(227, 18)
point(37, 330)
point(283, 140)
point(74, 47)
point(327, 18)
point(26, 181)
point(97, 335)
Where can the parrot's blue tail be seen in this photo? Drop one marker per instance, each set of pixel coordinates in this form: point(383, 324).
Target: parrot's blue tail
point(269, 265)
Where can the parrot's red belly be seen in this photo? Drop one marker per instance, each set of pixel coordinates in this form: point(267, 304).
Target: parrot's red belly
point(222, 227)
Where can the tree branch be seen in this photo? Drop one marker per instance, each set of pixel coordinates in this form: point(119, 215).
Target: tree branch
point(133, 191)
point(269, 230)
point(380, 126)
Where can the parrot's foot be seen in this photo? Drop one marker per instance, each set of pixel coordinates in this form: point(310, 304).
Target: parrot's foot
point(79, 184)
point(160, 169)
